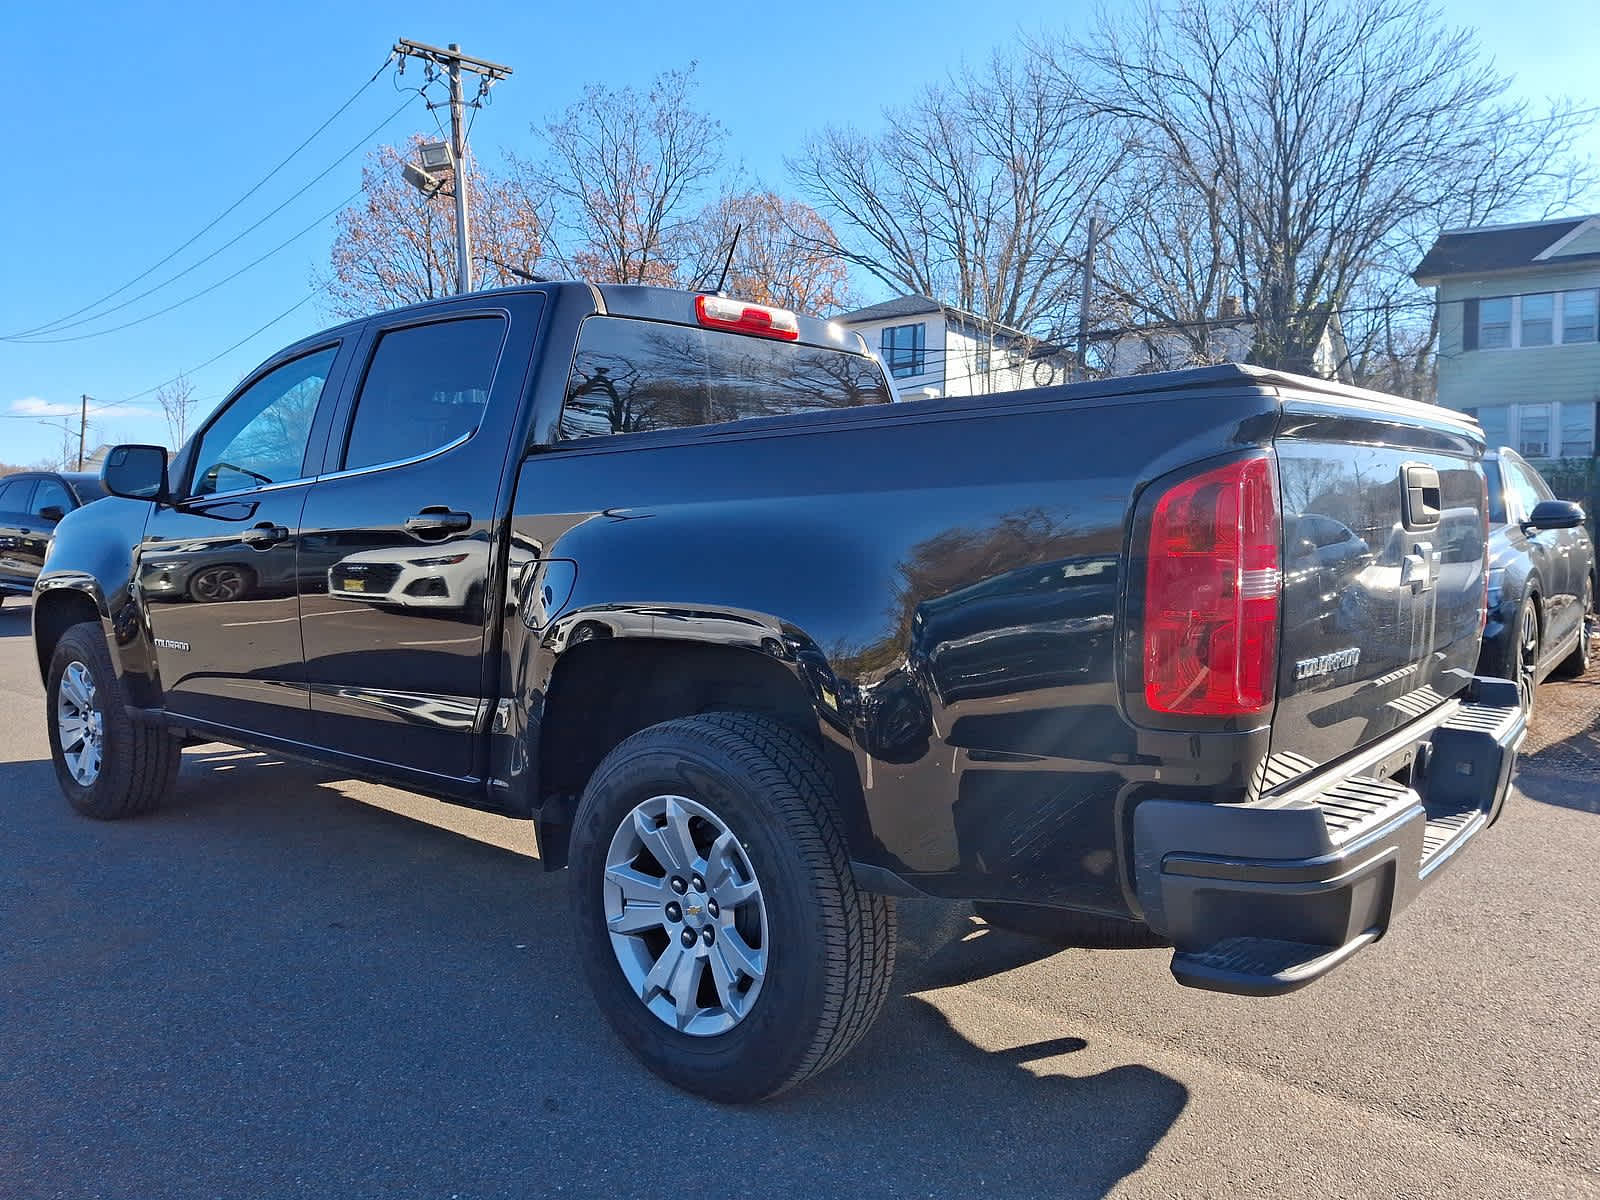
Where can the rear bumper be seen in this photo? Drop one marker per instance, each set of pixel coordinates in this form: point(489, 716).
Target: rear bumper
point(1265, 897)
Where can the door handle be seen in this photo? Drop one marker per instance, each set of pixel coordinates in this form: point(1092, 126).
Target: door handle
point(436, 520)
point(264, 536)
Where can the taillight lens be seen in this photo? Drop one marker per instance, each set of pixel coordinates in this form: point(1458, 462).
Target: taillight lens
point(719, 312)
point(1212, 593)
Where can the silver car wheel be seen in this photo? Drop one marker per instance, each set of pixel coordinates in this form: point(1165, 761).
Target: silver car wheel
point(686, 916)
point(79, 724)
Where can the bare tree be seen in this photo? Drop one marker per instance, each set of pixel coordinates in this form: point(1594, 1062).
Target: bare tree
point(779, 252)
point(1310, 144)
point(626, 172)
point(396, 246)
point(177, 403)
point(976, 195)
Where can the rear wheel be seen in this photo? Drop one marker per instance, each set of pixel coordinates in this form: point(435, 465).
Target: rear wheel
point(719, 923)
point(107, 764)
point(221, 584)
point(1577, 663)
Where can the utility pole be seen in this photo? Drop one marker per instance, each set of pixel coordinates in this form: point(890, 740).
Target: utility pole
point(83, 426)
point(454, 62)
point(1088, 296)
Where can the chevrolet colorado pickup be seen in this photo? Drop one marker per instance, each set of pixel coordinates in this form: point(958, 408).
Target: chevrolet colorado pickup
point(1183, 659)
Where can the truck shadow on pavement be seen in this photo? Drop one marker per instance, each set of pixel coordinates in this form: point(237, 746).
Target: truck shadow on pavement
point(273, 988)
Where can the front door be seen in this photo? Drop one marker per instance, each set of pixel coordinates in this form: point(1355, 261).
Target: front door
point(216, 571)
point(398, 538)
point(15, 527)
point(51, 501)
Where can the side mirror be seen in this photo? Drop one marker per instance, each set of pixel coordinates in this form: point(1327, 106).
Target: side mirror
point(1555, 514)
point(52, 512)
point(137, 472)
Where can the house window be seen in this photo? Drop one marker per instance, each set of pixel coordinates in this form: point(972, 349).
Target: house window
point(981, 361)
point(904, 348)
point(1493, 421)
point(1538, 319)
point(1577, 434)
point(1578, 317)
point(1533, 431)
point(1494, 323)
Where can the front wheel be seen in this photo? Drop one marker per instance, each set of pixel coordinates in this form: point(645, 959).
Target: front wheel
point(107, 764)
point(718, 921)
point(1528, 643)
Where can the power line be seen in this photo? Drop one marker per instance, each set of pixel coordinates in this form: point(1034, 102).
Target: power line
point(38, 340)
point(78, 337)
point(260, 329)
point(212, 224)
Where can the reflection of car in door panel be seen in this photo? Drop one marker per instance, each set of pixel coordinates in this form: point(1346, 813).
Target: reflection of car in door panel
point(751, 635)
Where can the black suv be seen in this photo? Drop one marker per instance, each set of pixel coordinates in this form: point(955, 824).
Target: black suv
point(30, 505)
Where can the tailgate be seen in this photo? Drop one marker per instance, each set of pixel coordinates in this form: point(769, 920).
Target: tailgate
point(1383, 576)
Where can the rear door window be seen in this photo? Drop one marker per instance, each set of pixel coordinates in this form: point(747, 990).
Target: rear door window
point(426, 389)
point(632, 376)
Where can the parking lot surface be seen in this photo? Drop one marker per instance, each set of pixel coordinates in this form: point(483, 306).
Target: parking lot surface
point(289, 984)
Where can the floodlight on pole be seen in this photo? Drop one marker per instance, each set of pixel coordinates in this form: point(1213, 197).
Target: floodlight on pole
point(436, 157)
point(429, 185)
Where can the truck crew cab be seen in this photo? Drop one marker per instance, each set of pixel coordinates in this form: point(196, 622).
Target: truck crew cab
point(1183, 658)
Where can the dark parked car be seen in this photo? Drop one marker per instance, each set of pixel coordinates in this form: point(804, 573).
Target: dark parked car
point(1541, 578)
point(31, 503)
point(758, 651)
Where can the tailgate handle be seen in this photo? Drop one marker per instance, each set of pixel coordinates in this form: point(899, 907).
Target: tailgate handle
point(1421, 485)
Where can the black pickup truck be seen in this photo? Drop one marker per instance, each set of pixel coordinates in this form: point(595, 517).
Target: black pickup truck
point(1184, 659)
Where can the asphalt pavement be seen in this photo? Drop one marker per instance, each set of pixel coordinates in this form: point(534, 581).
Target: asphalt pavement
point(288, 984)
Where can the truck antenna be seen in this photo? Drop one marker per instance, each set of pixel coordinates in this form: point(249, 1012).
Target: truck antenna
point(733, 244)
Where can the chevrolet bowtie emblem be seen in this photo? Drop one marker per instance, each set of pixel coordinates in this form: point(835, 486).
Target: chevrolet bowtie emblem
point(692, 909)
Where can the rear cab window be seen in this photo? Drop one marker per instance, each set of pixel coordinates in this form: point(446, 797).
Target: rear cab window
point(634, 376)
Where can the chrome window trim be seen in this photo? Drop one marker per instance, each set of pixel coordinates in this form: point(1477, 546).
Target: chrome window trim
point(458, 441)
point(236, 493)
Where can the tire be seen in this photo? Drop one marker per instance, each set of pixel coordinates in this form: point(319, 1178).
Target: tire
point(826, 949)
point(1577, 663)
point(221, 584)
point(137, 761)
point(1525, 647)
point(1066, 928)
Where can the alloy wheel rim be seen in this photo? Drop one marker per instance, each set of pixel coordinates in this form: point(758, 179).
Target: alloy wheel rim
point(686, 916)
point(1528, 645)
point(80, 724)
point(219, 583)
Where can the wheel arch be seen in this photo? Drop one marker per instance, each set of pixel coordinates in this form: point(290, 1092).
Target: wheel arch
point(605, 689)
point(59, 605)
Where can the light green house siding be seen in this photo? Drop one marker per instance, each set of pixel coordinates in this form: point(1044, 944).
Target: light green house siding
point(1523, 378)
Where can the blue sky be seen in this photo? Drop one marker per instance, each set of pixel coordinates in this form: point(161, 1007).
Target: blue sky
point(132, 124)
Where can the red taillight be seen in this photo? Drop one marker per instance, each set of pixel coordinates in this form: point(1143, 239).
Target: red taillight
point(1211, 593)
point(718, 312)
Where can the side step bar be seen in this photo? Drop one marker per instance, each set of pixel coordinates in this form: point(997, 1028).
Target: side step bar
point(1256, 966)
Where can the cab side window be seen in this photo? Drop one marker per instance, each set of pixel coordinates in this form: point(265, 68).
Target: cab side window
point(261, 437)
point(51, 500)
point(428, 386)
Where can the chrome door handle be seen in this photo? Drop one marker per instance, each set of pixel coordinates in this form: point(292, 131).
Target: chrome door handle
point(436, 519)
point(264, 536)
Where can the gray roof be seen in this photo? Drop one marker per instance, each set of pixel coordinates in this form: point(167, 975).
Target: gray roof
point(900, 306)
point(1497, 248)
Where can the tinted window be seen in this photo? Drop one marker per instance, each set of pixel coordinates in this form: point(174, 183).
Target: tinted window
point(1497, 495)
point(1536, 482)
point(261, 437)
point(1520, 492)
point(14, 495)
point(633, 376)
point(51, 493)
point(428, 385)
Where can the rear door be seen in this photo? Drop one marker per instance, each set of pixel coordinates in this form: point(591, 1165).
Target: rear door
point(398, 552)
point(1384, 526)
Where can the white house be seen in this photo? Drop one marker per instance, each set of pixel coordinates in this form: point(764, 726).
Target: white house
point(1141, 349)
point(934, 349)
